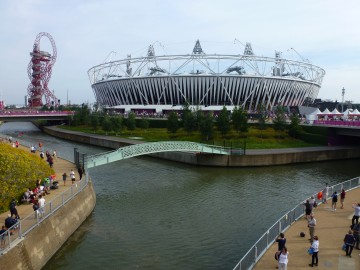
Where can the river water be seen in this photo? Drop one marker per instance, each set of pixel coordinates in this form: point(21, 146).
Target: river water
point(154, 214)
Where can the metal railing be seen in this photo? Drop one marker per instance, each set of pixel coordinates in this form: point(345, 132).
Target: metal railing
point(15, 233)
point(254, 254)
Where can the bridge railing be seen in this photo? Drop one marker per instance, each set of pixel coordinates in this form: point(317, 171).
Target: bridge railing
point(337, 123)
point(254, 254)
point(15, 233)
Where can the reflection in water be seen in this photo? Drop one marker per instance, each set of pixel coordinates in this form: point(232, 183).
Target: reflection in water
point(154, 214)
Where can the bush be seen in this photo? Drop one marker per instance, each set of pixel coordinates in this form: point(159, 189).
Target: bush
point(19, 170)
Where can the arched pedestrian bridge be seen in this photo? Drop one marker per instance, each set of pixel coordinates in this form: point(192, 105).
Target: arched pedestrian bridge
point(156, 147)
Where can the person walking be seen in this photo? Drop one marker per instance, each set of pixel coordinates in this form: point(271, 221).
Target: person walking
point(41, 203)
point(315, 247)
point(334, 199)
point(80, 171)
point(349, 241)
point(342, 198)
point(72, 176)
point(311, 226)
point(13, 210)
point(356, 215)
point(356, 233)
point(308, 209)
point(283, 259)
point(64, 176)
point(325, 193)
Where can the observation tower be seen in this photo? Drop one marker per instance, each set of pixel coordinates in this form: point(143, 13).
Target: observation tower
point(39, 72)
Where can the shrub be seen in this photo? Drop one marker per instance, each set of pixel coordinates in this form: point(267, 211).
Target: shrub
point(19, 170)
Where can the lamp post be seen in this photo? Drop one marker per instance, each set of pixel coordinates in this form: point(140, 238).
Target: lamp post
point(342, 103)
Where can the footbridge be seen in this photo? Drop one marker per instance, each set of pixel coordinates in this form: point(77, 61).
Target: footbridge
point(156, 147)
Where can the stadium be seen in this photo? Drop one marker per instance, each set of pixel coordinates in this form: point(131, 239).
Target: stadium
point(158, 84)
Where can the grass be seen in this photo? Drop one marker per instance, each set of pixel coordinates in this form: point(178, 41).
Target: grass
point(254, 138)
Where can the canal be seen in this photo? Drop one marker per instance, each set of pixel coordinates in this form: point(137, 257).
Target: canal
point(154, 214)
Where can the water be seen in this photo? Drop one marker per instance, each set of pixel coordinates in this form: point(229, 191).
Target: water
point(154, 214)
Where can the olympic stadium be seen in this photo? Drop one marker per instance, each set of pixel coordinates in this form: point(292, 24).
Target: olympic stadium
point(158, 84)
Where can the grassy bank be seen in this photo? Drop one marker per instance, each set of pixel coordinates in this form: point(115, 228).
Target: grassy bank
point(254, 139)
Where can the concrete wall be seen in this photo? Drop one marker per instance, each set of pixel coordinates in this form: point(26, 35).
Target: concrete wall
point(39, 245)
point(201, 159)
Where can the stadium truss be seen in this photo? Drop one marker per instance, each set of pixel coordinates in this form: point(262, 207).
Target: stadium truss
point(203, 80)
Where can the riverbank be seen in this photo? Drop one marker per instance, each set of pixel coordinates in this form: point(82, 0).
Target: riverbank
point(253, 158)
point(38, 245)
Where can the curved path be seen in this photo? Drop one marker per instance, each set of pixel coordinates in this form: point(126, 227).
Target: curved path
point(331, 228)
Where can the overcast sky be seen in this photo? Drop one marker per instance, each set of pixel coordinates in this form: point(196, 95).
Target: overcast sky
point(326, 32)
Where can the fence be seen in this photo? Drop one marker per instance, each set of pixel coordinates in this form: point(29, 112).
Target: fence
point(12, 236)
point(268, 238)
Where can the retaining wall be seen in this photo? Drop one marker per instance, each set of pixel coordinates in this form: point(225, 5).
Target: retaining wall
point(41, 243)
point(301, 155)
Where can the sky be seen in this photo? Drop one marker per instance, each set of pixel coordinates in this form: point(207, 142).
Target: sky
point(326, 32)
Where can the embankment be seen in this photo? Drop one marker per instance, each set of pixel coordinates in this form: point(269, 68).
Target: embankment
point(35, 249)
point(252, 158)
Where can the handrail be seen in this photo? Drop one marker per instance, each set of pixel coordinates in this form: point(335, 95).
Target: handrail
point(268, 238)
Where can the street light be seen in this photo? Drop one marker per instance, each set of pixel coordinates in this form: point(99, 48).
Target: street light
point(342, 105)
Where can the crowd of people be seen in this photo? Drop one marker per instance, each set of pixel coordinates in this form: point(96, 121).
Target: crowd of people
point(34, 196)
point(351, 238)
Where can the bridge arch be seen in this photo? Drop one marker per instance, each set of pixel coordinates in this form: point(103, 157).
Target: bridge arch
point(150, 148)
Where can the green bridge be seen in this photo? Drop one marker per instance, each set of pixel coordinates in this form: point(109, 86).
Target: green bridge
point(156, 147)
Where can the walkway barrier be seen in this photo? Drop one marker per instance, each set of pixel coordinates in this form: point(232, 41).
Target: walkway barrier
point(249, 260)
point(15, 233)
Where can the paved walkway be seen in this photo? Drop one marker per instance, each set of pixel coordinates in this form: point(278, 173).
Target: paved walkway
point(331, 229)
point(60, 166)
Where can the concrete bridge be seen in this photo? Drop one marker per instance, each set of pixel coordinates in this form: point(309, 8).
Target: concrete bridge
point(31, 115)
point(156, 147)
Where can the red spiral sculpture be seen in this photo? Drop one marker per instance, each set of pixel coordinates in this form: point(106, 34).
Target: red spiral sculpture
point(39, 72)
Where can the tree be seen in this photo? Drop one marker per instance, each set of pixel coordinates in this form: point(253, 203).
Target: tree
point(188, 119)
point(223, 122)
point(206, 125)
point(239, 120)
point(279, 121)
point(131, 122)
point(173, 122)
point(144, 123)
point(94, 120)
point(116, 122)
point(261, 117)
point(295, 129)
point(106, 124)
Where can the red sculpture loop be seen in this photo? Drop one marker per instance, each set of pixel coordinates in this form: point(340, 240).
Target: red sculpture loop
point(39, 72)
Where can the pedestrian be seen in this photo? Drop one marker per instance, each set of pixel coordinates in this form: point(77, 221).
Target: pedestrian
point(17, 144)
point(283, 259)
point(356, 232)
point(41, 203)
point(80, 171)
point(334, 199)
point(72, 176)
point(342, 198)
point(42, 154)
point(13, 210)
point(311, 225)
point(356, 215)
point(325, 193)
point(2, 236)
point(54, 154)
point(308, 209)
point(50, 161)
point(315, 247)
point(281, 240)
point(349, 241)
point(64, 176)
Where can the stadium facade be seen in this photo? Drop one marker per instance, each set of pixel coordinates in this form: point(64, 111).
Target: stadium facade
point(207, 81)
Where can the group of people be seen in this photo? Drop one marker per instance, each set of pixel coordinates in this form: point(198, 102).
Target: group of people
point(351, 239)
point(72, 175)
